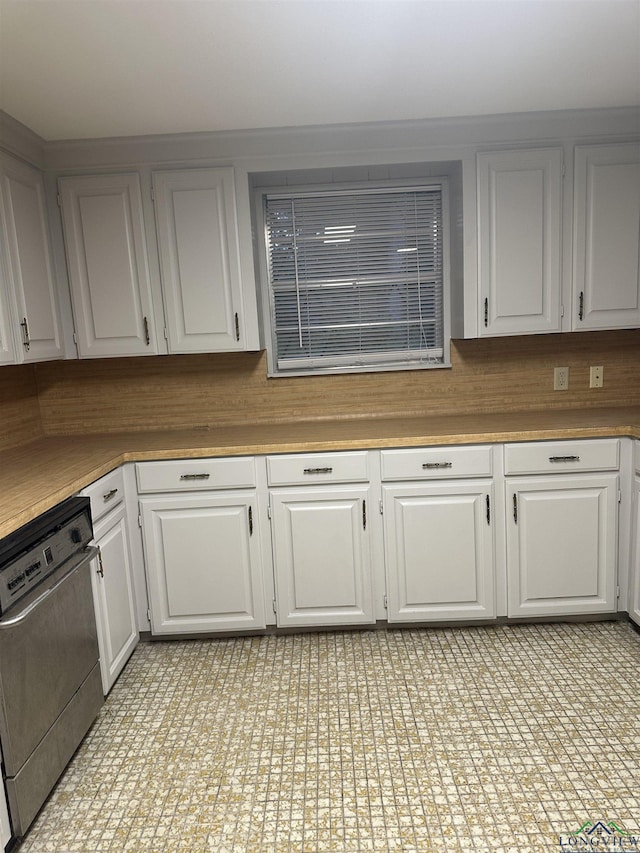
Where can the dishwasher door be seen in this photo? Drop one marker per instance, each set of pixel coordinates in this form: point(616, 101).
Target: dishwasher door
point(50, 686)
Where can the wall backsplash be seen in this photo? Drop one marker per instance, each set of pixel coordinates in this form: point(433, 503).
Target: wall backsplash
point(174, 392)
point(19, 409)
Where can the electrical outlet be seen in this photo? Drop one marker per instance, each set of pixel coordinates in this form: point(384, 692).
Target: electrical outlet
point(560, 378)
point(596, 377)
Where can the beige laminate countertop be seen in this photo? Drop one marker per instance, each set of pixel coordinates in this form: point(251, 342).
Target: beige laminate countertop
point(37, 475)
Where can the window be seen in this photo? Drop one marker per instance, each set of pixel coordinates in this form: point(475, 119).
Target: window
point(357, 278)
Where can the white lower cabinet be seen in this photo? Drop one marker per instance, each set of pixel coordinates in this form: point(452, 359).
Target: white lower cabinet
point(562, 544)
point(322, 556)
point(112, 576)
point(5, 824)
point(439, 551)
point(111, 579)
point(204, 565)
point(438, 533)
point(634, 574)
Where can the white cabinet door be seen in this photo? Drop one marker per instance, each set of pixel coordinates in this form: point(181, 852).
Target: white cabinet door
point(204, 563)
point(108, 268)
point(439, 551)
point(321, 556)
point(634, 602)
point(199, 259)
point(113, 596)
point(562, 535)
point(606, 243)
point(7, 350)
point(519, 241)
point(30, 285)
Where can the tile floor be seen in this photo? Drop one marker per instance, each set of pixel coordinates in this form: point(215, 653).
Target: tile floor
point(492, 739)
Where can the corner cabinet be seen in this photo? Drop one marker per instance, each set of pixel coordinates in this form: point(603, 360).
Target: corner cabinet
point(606, 240)
point(201, 535)
point(111, 577)
point(29, 315)
point(320, 533)
point(439, 540)
point(562, 527)
point(199, 259)
point(108, 267)
point(519, 241)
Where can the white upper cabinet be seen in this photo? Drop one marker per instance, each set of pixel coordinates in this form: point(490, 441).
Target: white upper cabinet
point(29, 317)
point(108, 267)
point(606, 237)
point(519, 241)
point(199, 259)
point(7, 354)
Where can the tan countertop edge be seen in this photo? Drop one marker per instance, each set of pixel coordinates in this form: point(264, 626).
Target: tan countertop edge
point(37, 475)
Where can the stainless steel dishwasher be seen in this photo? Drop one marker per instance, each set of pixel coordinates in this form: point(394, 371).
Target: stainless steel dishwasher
point(50, 687)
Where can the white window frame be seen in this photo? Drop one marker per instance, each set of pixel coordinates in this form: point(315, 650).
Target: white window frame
point(358, 363)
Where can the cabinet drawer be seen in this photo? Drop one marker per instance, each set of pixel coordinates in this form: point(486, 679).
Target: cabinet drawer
point(183, 475)
point(308, 468)
point(545, 457)
point(105, 494)
point(436, 463)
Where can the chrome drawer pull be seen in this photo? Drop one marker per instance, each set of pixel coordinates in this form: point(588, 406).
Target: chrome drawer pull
point(195, 476)
point(109, 495)
point(318, 470)
point(564, 459)
point(437, 465)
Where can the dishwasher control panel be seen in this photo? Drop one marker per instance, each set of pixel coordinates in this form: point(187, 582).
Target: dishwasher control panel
point(41, 546)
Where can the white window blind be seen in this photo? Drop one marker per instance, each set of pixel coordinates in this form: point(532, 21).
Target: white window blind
point(356, 278)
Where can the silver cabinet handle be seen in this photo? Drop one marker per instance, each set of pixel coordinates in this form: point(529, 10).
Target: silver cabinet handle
point(318, 470)
point(26, 343)
point(195, 476)
point(437, 465)
point(564, 459)
point(107, 497)
point(147, 339)
point(100, 569)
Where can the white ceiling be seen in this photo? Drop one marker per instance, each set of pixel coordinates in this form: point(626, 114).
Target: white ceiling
point(94, 68)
